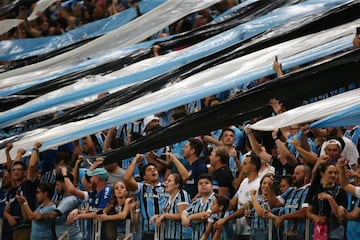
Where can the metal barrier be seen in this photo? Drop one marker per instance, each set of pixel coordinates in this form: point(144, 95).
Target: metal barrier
point(159, 232)
point(270, 231)
point(307, 229)
point(64, 236)
point(97, 230)
point(1, 226)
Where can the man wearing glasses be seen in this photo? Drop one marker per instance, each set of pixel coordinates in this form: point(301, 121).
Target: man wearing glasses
point(16, 227)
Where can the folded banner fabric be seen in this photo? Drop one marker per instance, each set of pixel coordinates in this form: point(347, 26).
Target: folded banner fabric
point(319, 78)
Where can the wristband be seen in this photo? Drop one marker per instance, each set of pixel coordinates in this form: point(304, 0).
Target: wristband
point(25, 203)
point(65, 176)
point(276, 139)
point(35, 149)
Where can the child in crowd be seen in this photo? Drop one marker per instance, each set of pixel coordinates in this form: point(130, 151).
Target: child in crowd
point(196, 214)
point(218, 210)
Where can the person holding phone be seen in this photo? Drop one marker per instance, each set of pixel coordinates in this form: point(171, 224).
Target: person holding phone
point(16, 226)
point(277, 67)
point(41, 228)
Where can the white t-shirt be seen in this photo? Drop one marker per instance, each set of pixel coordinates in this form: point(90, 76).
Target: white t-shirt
point(243, 195)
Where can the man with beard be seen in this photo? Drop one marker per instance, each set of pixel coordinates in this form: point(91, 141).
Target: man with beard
point(293, 211)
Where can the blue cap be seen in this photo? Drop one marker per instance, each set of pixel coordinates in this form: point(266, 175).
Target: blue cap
point(99, 172)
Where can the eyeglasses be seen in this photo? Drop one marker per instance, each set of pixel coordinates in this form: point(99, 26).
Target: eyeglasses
point(17, 169)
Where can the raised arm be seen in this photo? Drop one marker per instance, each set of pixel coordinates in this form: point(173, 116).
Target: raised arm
point(71, 188)
point(26, 210)
point(111, 133)
point(307, 156)
point(75, 171)
point(20, 152)
point(278, 68)
point(212, 140)
point(180, 167)
point(31, 173)
point(128, 176)
point(255, 146)
point(284, 151)
point(8, 148)
point(259, 210)
point(340, 164)
point(271, 197)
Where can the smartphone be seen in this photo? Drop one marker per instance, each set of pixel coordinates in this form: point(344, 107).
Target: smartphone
point(99, 212)
point(358, 31)
point(276, 58)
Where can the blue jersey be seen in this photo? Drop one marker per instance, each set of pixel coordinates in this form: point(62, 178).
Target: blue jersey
point(294, 199)
point(354, 136)
point(42, 229)
point(352, 228)
point(217, 216)
point(257, 222)
point(152, 199)
point(99, 200)
point(173, 228)
point(199, 226)
point(66, 205)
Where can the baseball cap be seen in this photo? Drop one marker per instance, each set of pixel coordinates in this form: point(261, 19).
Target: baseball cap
point(99, 172)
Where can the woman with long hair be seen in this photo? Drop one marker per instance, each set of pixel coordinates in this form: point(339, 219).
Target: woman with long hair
point(174, 205)
point(259, 225)
point(119, 208)
point(326, 203)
